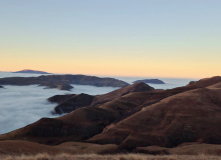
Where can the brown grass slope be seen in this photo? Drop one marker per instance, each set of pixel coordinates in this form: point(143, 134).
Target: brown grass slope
point(186, 117)
point(137, 119)
point(79, 125)
point(18, 147)
point(111, 157)
point(68, 103)
point(137, 87)
point(195, 148)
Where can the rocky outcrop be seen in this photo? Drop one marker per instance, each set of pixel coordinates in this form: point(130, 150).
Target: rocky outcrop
point(166, 118)
point(1, 86)
point(153, 81)
point(68, 103)
point(63, 81)
point(31, 71)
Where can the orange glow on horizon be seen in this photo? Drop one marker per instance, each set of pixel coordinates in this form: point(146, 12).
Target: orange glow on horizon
point(130, 66)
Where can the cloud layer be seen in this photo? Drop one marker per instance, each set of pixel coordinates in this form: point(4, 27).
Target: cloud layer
point(22, 105)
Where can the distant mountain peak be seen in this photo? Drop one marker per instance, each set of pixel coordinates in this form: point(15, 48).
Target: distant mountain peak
point(31, 71)
point(152, 81)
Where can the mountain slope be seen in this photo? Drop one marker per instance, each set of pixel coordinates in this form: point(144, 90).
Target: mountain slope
point(78, 125)
point(186, 117)
point(156, 117)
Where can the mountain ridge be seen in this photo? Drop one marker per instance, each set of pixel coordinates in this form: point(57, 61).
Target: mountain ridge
point(68, 103)
point(167, 118)
point(63, 81)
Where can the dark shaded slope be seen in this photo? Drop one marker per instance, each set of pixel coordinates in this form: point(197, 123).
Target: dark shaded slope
point(79, 125)
point(73, 103)
point(60, 98)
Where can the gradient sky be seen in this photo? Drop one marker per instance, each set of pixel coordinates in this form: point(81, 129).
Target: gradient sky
point(162, 38)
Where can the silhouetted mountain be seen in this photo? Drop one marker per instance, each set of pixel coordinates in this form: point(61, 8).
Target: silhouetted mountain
point(153, 81)
point(31, 71)
point(63, 81)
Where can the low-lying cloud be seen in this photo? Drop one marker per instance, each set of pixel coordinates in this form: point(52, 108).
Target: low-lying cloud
point(22, 105)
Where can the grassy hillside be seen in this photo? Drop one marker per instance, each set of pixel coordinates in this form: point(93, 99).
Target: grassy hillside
point(111, 157)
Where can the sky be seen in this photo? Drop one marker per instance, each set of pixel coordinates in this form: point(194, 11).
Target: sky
point(160, 38)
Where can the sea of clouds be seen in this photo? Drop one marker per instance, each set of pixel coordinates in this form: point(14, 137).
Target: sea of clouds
point(23, 105)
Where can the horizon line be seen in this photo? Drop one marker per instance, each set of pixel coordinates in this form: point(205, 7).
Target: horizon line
point(115, 76)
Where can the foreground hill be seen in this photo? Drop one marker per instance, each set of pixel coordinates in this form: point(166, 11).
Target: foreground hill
point(166, 118)
point(72, 150)
point(31, 71)
point(111, 157)
point(10, 147)
point(192, 116)
point(63, 81)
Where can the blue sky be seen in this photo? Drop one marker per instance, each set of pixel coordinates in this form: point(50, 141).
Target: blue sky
point(114, 37)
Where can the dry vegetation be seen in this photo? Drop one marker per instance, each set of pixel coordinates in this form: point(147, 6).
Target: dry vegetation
point(111, 157)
